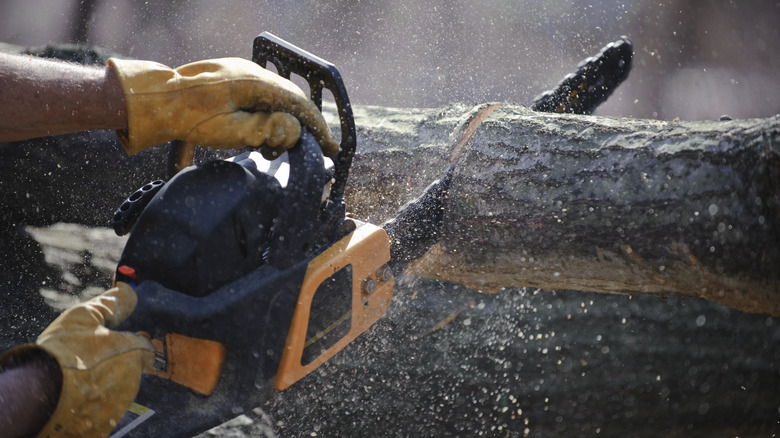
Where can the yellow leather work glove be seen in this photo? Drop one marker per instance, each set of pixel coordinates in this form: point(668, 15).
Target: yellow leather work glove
point(222, 103)
point(101, 368)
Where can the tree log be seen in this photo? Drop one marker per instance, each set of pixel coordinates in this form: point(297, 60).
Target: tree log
point(584, 203)
point(541, 200)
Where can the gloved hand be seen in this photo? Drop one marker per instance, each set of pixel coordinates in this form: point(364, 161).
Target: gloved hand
point(101, 368)
point(222, 103)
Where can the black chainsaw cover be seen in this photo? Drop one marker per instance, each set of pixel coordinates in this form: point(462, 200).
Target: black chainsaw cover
point(215, 222)
point(208, 225)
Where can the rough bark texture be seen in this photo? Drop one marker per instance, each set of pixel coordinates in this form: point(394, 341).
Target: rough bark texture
point(586, 203)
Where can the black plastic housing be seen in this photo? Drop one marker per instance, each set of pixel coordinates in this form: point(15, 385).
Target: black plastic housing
point(217, 221)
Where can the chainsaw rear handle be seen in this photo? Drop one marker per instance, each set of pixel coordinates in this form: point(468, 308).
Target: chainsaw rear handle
point(319, 74)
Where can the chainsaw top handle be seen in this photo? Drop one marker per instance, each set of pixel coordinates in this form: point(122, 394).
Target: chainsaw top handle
point(318, 73)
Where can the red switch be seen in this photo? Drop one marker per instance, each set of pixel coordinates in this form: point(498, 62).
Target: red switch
point(127, 271)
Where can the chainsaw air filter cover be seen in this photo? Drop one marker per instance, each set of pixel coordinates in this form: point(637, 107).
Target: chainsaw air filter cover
point(215, 222)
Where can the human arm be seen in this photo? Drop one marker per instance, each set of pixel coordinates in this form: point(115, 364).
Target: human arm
point(220, 103)
point(40, 97)
point(28, 394)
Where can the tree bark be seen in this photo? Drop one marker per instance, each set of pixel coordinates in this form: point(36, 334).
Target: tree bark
point(584, 203)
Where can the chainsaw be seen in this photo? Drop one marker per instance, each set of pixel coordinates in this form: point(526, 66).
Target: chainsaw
point(250, 273)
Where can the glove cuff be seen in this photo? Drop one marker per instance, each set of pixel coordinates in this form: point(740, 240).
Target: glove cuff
point(144, 83)
point(82, 409)
point(21, 355)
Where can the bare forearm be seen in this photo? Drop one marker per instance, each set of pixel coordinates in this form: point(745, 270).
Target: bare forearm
point(40, 97)
point(27, 396)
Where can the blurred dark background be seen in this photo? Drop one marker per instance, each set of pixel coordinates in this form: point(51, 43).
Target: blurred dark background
point(694, 59)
